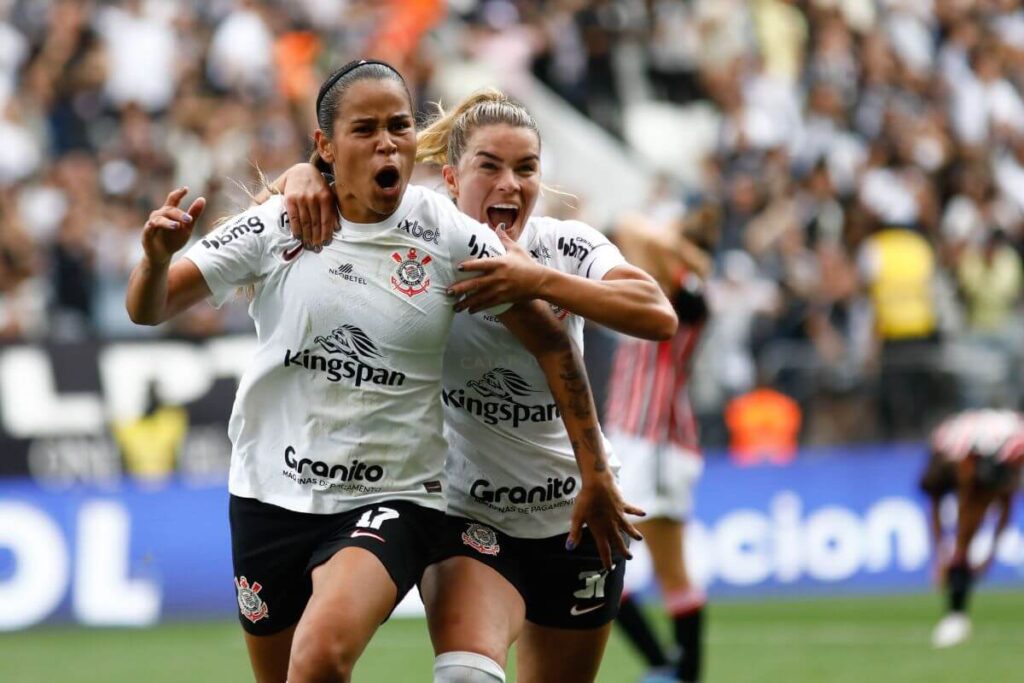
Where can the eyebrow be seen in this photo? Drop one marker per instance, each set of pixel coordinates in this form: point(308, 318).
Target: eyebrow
point(495, 157)
point(373, 119)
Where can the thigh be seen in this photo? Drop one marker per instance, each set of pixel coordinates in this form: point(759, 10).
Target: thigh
point(268, 655)
point(665, 541)
point(352, 595)
point(471, 607)
point(569, 589)
point(557, 655)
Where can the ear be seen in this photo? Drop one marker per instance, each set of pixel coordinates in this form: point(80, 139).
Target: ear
point(324, 147)
point(451, 181)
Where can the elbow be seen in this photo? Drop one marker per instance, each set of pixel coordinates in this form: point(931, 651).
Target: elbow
point(660, 325)
point(140, 318)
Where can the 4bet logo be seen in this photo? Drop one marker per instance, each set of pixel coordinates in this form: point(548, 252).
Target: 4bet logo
point(410, 277)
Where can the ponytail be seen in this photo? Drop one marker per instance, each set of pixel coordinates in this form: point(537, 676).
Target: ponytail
point(444, 140)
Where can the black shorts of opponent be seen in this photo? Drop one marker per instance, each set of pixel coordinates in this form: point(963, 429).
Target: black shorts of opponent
point(562, 588)
point(274, 552)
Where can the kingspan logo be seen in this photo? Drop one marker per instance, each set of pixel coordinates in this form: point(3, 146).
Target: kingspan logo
point(555, 489)
point(356, 351)
point(354, 471)
point(500, 390)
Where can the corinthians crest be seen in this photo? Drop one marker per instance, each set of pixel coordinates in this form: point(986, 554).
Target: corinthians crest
point(410, 277)
point(482, 539)
point(249, 602)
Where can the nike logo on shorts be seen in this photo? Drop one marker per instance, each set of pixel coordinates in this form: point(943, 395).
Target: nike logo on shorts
point(290, 254)
point(576, 611)
point(357, 533)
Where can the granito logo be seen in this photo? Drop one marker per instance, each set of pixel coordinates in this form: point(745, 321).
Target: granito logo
point(505, 386)
point(251, 225)
point(555, 489)
point(344, 271)
point(356, 350)
point(354, 471)
point(414, 228)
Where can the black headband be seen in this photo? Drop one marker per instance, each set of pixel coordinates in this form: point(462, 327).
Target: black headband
point(336, 76)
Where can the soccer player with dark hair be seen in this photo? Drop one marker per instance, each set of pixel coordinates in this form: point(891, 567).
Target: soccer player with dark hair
point(978, 456)
point(337, 481)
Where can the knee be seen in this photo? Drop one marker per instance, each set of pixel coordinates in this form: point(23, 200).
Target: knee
point(321, 660)
point(467, 667)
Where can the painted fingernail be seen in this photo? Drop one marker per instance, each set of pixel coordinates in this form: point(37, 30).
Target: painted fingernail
point(569, 545)
point(186, 218)
point(460, 267)
point(175, 225)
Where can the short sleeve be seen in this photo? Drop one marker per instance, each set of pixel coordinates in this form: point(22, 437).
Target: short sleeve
point(588, 252)
point(472, 240)
point(237, 253)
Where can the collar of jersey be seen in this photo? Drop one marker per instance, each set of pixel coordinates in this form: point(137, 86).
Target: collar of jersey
point(408, 199)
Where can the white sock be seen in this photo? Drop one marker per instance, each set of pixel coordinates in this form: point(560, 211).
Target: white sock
point(467, 667)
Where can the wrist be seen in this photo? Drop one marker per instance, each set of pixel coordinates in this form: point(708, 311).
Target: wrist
point(155, 263)
point(597, 479)
point(544, 283)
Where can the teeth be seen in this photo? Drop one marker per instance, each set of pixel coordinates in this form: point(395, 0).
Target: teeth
point(505, 206)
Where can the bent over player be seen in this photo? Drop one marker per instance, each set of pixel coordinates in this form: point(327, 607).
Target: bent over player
point(976, 455)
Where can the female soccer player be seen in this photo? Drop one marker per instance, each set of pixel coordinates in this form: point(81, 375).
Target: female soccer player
point(652, 428)
point(516, 562)
point(977, 455)
point(336, 476)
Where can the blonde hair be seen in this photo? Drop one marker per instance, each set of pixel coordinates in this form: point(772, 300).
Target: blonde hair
point(444, 139)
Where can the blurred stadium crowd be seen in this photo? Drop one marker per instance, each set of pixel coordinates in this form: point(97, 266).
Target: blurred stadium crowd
point(867, 167)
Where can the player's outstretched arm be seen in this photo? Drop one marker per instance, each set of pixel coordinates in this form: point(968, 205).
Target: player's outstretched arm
point(157, 290)
point(599, 504)
point(627, 300)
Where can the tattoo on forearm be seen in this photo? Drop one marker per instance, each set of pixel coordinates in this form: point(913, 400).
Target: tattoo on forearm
point(576, 385)
point(592, 437)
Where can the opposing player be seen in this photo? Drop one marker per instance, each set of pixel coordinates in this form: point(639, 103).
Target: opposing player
point(652, 429)
point(336, 481)
point(978, 456)
point(516, 563)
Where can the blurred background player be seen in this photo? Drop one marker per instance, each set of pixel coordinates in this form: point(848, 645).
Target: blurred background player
point(976, 455)
point(652, 428)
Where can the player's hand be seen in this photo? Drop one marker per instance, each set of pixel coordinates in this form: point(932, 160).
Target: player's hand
point(311, 205)
point(511, 278)
point(169, 228)
point(600, 506)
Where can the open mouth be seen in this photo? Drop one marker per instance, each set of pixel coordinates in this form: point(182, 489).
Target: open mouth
point(502, 213)
point(387, 178)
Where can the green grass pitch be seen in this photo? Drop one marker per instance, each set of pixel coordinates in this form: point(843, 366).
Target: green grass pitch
point(860, 640)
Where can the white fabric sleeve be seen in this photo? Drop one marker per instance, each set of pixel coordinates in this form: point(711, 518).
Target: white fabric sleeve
point(588, 252)
point(472, 240)
point(238, 252)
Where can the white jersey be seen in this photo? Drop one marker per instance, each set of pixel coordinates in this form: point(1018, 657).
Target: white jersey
point(511, 464)
point(341, 405)
point(991, 434)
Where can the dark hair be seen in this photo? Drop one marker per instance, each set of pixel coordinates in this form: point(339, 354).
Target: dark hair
point(328, 100)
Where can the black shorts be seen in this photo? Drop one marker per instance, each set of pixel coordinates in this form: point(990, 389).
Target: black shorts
point(561, 588)
point(274, 552)
point(939, 477)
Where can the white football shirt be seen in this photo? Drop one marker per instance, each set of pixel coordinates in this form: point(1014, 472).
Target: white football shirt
point(341, 405)
point(511, 464)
